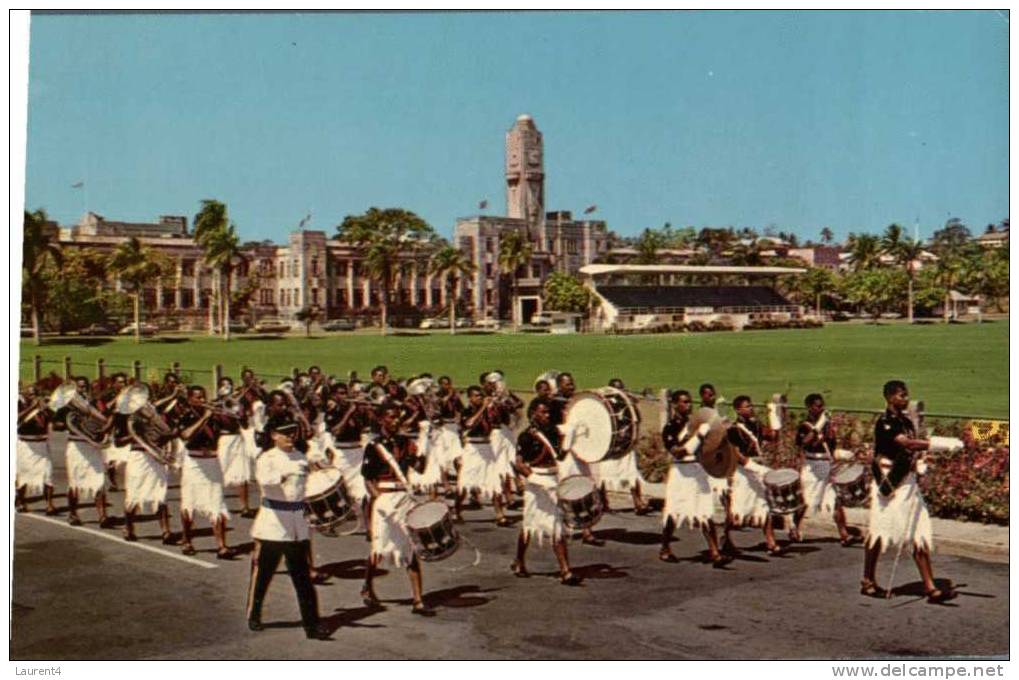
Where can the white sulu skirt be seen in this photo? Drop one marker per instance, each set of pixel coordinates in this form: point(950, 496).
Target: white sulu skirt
point(231, 451)
point(617, 474)
point(348, 461)
point(749, 499)
point(689, 498)
point(112, 455)
point(35, 466)
point(449, 446)
point(146, 481)
point(423, 481)
point(542, 516)
point(504, 443)
point(480, 470)
point(389, 536)
point(899, 518)
point(201, 488)
point(251, 448)
point(86, 471)
point(571, 465)
point(818, 493)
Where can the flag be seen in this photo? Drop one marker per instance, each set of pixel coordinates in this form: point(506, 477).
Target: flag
point(590, 209)
point(77, 185)
point(307, 218)
point(483, 204)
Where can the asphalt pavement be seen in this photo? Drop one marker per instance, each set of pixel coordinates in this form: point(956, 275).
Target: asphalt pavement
point(84, 593)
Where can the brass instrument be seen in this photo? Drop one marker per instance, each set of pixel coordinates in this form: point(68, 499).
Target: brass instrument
point(145, 425)
point(83, 419)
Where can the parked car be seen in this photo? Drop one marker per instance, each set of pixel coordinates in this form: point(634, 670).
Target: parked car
point(462, 323)
point(98, 329)
point(238, 327)
point(439, 322)
point(272, 326)
point(145, 328)
point(488, 324)
point(338, 325)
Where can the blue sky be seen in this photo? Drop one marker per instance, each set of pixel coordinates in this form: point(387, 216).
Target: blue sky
point(798, 120)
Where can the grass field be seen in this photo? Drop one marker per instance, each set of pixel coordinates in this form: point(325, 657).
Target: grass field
point(960, 369)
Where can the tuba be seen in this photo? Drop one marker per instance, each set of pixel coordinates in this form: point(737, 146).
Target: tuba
point(83, 419)
point(146, 427)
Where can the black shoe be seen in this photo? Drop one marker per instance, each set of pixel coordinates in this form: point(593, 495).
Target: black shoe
point(255, 625)
point(226, 554)
point(316, 633)
point(51, 511)
point(421, 609)
point(569, 579)
point(168, 539)
point(106, 523)
point(74, 521)
point(369, 599)
point(667, 556)
point(731, 550)
point(248, 514)
point(721, 561)
point(130, 538)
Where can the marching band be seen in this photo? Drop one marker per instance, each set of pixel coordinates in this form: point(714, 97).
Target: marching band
point(324, 451)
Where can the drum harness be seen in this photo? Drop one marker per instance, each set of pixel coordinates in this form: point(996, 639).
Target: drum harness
point(391, 462)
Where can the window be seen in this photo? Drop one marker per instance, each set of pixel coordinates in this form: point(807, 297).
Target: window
point(341, 297)
point(435, 296)
point(168, 298)
point(488, 270)
point(314, 266)
point(187, 267)
point(489, 245)
point(187, 298)
point(204, 299)
point(265, 296)
point(314, 296)
point(359, 298)
point(489, 297)
point(297, 297)
point(294, 268)
point(551, 245)
point(341, 268)
point(282, 269)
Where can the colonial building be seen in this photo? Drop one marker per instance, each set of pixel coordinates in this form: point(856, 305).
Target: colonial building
point(313, 270)
point(559, 243)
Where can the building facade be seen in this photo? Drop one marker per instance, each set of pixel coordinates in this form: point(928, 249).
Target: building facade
point(313, 270)
point(559, 243)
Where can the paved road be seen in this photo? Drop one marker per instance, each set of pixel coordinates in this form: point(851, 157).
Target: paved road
point(79, 595)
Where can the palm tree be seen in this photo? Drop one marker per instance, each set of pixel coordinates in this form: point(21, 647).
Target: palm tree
point(827, 236)
point(136, 266)
point(515, 251)
point(385, 234)
point(864, 251)
point(816, 283)
point(39, 249)
point(906, 252)
point(211, 219)
point(450, 264)
point(222, 251)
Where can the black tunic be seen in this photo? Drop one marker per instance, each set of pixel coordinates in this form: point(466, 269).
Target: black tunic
point(889, 426)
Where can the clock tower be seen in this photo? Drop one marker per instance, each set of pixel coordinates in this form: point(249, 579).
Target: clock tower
point(525, 172)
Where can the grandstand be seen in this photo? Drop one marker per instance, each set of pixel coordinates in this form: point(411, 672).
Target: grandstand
point(648, 297)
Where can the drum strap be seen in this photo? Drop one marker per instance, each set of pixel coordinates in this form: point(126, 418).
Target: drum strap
point(545, 442)
point(388, 457)
point(282, 505)
point(753, 439)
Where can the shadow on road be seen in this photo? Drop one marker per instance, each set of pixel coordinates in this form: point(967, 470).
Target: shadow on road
point(629, 537)
point(350, 569)
point(349, 618)
point(460, 596)
point(599, 571)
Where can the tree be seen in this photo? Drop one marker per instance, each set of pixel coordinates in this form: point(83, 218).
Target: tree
point(905, 251)
point(222, 251)
point(715, 242)
point(565, 293)
point(307, 316)
point(985, 273)
point(210, 223)
point(38, 249)
point(450, 263)
point(385, 234)
point(872, 290)
point(137, 266)
point(815, 284)
point(827, 236)
point(515, 251)
point(864, 251)
point(949, 244)
point(648, 245)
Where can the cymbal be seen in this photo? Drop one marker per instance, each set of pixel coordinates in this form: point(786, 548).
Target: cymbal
point(717, 456)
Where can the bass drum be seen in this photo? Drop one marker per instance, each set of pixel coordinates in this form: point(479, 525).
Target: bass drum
point(604, 424)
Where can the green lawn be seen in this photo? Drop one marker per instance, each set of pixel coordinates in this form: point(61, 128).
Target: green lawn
point(959, 369)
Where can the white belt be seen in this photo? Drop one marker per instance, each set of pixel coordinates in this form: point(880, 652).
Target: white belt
point(391, 486)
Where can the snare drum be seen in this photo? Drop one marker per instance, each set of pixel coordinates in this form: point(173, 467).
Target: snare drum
point(604, 423)
point(326, 501)
point(580, 501)
point(783, 491)
point(431, 531)
point(852, 485)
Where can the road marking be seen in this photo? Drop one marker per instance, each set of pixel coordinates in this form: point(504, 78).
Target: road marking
point(120, 541)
